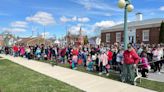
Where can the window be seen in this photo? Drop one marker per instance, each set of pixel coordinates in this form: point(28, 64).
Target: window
point(118, 37)
point(108, 37)
point(145, 35)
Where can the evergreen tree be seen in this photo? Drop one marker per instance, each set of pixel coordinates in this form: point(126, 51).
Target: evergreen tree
point(161, 35)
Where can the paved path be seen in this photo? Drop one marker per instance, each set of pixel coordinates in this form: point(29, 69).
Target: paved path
point(1, 58)
point(156, 76)
point(83, 81)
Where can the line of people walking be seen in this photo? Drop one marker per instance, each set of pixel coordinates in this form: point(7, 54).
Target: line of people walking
point(101, 58)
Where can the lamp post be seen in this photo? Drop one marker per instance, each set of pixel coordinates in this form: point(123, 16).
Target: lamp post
point(44, 35)
point(128, 8)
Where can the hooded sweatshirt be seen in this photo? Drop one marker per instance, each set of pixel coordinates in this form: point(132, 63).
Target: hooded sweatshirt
point(131, 57)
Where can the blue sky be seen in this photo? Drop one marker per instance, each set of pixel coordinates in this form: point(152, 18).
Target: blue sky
point(21, 16)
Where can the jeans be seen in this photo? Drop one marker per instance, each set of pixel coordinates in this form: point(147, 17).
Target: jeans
point(128, 74)
point(15, 54)
point(74, 64)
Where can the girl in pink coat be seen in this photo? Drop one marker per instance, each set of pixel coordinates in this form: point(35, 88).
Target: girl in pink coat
point(22, 51)
point(104, 61)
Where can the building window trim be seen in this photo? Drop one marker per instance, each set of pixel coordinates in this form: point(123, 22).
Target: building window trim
point(118, 37)
point(108, 38)
point(145, 35)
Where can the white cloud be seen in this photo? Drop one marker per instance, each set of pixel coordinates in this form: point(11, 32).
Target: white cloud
point(96, 4)
point(15, 30)
point(105, 24)
point(65, 19)
point(74, 29)
point(92, 30)
point(86, 30)
point(46, 34)
point(84, 19)
point(20, 24)
point(42, 18)
point(74, 19)
point(161, 8)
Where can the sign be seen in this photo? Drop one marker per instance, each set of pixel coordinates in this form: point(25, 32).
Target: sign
point(98, 41)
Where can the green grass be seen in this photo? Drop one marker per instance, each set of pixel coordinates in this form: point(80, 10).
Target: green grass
point(153, 85)
point(16, 78)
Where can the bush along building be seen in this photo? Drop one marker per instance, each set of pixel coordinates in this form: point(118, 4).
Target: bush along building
point(148, 31)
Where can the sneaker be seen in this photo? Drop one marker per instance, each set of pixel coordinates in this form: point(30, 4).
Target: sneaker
point(159, 72)
point(100, 73)
point(107, 74)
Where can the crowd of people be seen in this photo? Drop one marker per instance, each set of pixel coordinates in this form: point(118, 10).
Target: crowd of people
point(101, 58)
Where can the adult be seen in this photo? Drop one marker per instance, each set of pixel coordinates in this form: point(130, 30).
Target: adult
point(156, 58)
point(131, 59)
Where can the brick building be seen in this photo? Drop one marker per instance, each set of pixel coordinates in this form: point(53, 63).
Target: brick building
point(146, 31)
point(77, 39)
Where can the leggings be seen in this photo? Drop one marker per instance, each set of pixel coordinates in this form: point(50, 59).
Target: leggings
point(102, 68)
point(161, 63)
point(143, 71)
point(157, 66)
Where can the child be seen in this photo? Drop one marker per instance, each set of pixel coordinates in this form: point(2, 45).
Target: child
point(89, 63)
point(75, 53)
point(119, 59)
point(145, 65)
point(38, 53)
point(156, 58)
point(70, 62)
point(104, 63)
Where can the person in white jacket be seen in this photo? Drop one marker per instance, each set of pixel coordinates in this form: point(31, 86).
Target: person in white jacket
point(161, 56)
point(119, 59)
point(104, 63)
point(156, 58)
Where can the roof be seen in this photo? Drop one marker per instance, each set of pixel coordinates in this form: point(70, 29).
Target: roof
point(24, 40)
point(34, 41)
point(136, 24)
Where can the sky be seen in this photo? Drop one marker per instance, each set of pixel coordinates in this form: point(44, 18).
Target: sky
point(24, 17)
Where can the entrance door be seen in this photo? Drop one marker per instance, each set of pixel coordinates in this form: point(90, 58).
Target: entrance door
point(131, 39)
point(132, 36)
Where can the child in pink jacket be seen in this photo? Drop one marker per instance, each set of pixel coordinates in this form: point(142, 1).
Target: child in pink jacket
point(145, 65)
point(104, 61)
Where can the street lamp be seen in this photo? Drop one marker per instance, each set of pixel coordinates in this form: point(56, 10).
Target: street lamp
point(128, 8)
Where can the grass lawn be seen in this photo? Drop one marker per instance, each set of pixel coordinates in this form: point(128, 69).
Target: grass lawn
point(16, 78)
point(153, 85)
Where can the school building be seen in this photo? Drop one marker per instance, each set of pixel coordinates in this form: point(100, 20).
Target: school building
point(146, 31)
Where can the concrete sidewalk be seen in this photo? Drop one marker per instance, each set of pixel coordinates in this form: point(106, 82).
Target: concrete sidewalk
point(156, 76)
point(83, 81)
